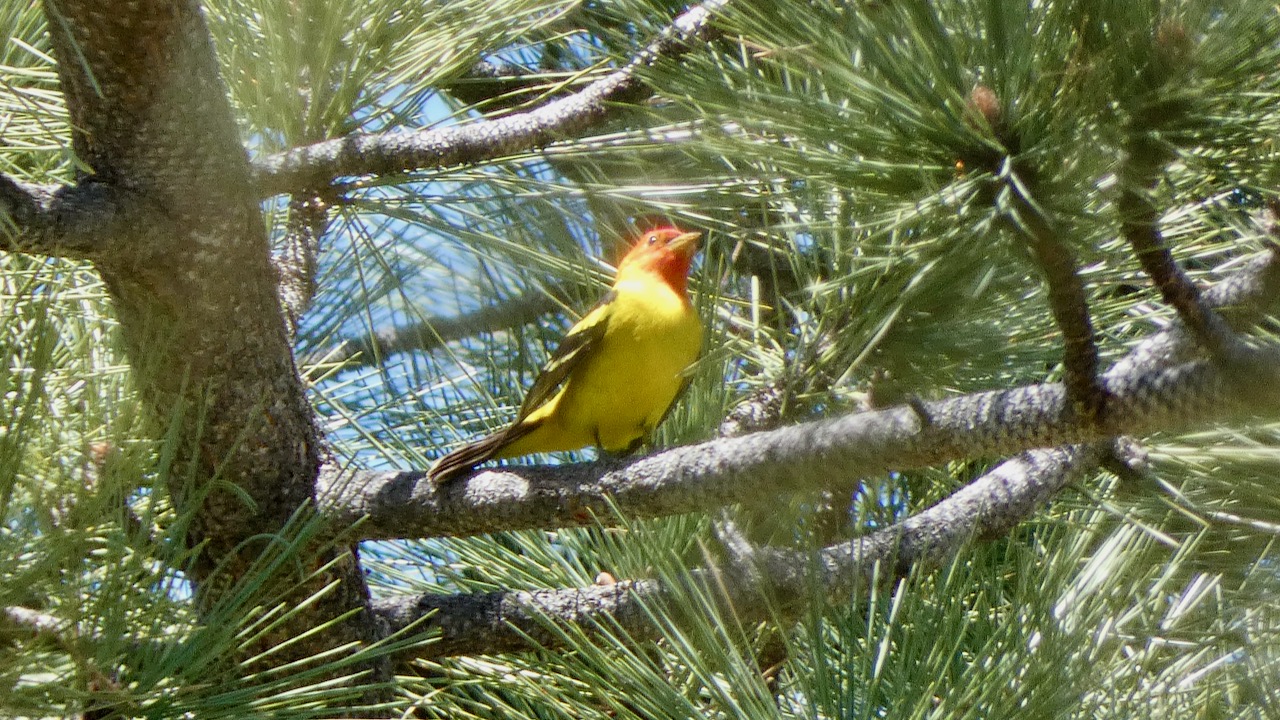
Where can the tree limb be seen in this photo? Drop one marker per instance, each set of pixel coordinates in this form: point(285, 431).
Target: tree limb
point(770, 590)
point(386, 153)
point(295, 260)
point(800, 458)
point(1149, 395)
point(498, 622)
point(73, 221)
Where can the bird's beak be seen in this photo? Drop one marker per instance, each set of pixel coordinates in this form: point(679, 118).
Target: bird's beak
point(686, 244)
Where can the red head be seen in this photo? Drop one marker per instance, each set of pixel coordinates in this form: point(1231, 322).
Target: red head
point(667, 252)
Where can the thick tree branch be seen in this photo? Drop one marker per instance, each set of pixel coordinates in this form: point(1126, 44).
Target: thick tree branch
point(986, 508)
point(75, 221)
point(807, 457)
point(496, 622)
point(386, 153)
point(770, 583)
point(1148, 395)
point(190, 275)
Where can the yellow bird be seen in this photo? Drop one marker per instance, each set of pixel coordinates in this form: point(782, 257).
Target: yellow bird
point(618, 371)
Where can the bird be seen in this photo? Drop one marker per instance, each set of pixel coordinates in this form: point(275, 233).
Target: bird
point(617, 372)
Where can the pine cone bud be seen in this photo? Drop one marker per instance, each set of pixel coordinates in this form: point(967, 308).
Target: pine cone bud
point(984, 102)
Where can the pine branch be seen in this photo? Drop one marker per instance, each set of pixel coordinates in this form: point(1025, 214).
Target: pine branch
point(73, 221)
point(388, 153)
point(1067, 300)
point(1147, 395)
point(1140, 227)
point(766, 583)
point(830, 454)
point(30, 625)
point(296, 262)
point(1070, 311)
point(506, 621)
point(1156, 107)
point(433, 333)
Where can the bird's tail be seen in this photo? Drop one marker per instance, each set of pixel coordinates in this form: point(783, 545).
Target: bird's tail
point(468, 456)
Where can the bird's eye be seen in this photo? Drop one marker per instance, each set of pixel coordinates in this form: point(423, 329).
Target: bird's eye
point(653, 239)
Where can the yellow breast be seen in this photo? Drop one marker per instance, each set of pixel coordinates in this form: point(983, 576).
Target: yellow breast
point(618, 397)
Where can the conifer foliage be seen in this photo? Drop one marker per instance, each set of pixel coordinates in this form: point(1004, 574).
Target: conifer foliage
point(985, 426)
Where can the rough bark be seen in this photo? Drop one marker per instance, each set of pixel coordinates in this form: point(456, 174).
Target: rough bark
point(761, 584)
point(829, 454)
point(188, 268)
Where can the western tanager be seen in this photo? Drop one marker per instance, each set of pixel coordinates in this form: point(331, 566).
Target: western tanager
point(617, 372)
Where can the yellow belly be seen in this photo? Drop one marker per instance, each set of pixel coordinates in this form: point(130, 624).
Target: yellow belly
point(621, 394)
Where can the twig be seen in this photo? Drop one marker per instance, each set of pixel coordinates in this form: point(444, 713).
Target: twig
point(1067, 301)
point(385, 153)
point(1154, 104)
point(1070, 311)
point(500, 87)
point(1139, 224)
point(433, 333)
